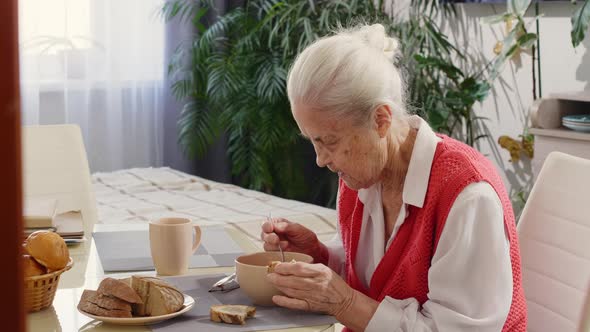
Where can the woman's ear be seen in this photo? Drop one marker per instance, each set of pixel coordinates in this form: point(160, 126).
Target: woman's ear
point(383, 118)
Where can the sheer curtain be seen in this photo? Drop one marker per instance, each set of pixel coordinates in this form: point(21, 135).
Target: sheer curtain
point(98, 64)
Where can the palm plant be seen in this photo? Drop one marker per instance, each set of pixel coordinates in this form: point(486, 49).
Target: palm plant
point(233, 74)
point(439, 90)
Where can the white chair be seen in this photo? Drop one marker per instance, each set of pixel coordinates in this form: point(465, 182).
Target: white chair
point(55, 166)
point(554, 232)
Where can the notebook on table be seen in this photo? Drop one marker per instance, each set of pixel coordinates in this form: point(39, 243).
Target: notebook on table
point(69, 225)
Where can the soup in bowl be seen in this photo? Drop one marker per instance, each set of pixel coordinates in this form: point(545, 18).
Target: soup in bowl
point(251, 271)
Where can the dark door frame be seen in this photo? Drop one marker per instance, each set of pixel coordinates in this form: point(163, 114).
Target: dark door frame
point(12, 314)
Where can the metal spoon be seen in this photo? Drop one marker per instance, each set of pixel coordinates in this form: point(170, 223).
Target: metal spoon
point(281, 250)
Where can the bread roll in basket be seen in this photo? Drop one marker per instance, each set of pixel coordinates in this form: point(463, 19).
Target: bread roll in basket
point(40, 290)
point(46, 258)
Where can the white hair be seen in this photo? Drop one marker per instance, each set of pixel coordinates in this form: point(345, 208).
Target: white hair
point(349, 74)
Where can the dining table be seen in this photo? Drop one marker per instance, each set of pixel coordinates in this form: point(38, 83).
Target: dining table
point(87, 273)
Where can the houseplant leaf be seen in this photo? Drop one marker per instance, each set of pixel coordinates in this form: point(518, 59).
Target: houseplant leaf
point(580, 21)
point(497, 18)
point(518, 7)
point(526, 41)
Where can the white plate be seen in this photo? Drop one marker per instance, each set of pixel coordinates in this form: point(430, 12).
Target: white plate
point(585, 124)
point(188, 304)
point(585, 129)
point(580, 118)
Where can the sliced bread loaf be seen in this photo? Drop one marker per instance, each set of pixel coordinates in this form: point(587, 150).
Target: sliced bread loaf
point(159, 297)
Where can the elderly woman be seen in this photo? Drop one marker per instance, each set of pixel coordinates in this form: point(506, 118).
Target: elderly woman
point(426, 237)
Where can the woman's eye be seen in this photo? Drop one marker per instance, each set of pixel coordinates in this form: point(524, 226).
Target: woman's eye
point(331, 143)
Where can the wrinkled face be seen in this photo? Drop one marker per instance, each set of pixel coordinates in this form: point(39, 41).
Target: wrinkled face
point(356, 153)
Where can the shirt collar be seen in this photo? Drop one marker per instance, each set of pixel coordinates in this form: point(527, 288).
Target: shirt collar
point(418, 175)
point(416, 183)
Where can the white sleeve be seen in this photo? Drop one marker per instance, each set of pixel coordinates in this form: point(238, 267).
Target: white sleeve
point(470, 279)
point(337, 255)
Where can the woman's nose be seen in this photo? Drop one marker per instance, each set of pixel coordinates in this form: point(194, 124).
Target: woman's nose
point(322, 158)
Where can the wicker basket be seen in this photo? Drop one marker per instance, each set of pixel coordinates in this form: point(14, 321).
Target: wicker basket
point(40, 290)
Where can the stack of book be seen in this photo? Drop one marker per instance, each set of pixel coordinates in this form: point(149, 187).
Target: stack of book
point(41, 214)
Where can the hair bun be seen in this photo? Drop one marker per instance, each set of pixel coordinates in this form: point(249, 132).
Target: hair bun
point(375, 36)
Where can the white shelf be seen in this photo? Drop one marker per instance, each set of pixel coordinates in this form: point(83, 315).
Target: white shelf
point(561, 133)
point(583, 96)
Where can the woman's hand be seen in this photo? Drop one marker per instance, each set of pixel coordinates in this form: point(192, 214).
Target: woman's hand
point(316, 287)
point(293, 237)
point(311, 287)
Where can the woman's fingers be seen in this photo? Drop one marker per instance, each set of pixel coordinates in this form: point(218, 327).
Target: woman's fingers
point(294, 282)
point(312, 287)
point(278, 225)
point(271, 242)
point(311, 296)
point(313, 284)
point(270, 238)
point(268, 226)
point(291, 303)
point(291, 236)
point(274, 247)
point(300, 269)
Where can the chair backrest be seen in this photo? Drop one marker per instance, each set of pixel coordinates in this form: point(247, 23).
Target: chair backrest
point(55, 166)
point(554, 232)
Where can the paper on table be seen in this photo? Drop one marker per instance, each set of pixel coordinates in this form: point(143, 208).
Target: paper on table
point(39, 212)
point(267, 318)
point(69, 225)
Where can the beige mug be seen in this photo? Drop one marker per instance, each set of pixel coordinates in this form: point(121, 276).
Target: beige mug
point(172, 244)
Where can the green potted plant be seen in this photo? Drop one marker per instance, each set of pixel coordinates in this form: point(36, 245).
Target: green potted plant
point(234, 82)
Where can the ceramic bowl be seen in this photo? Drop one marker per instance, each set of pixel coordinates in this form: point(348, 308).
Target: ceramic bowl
point(251, 271)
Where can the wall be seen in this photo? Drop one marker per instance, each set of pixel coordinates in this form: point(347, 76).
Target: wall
point(563, 69)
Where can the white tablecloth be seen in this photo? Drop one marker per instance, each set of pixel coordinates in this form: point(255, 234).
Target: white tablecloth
point(141, 194)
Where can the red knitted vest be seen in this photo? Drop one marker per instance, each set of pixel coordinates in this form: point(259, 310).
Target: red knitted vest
point(403, 271)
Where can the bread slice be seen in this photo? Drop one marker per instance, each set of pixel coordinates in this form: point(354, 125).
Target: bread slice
point(119, 289)
point(231, 313)
point(271, 267)
point(106, 302)
point(91, 303)
point(159, 297)
point(112, 303)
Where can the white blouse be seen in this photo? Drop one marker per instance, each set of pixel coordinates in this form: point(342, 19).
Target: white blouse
point(470, 278)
